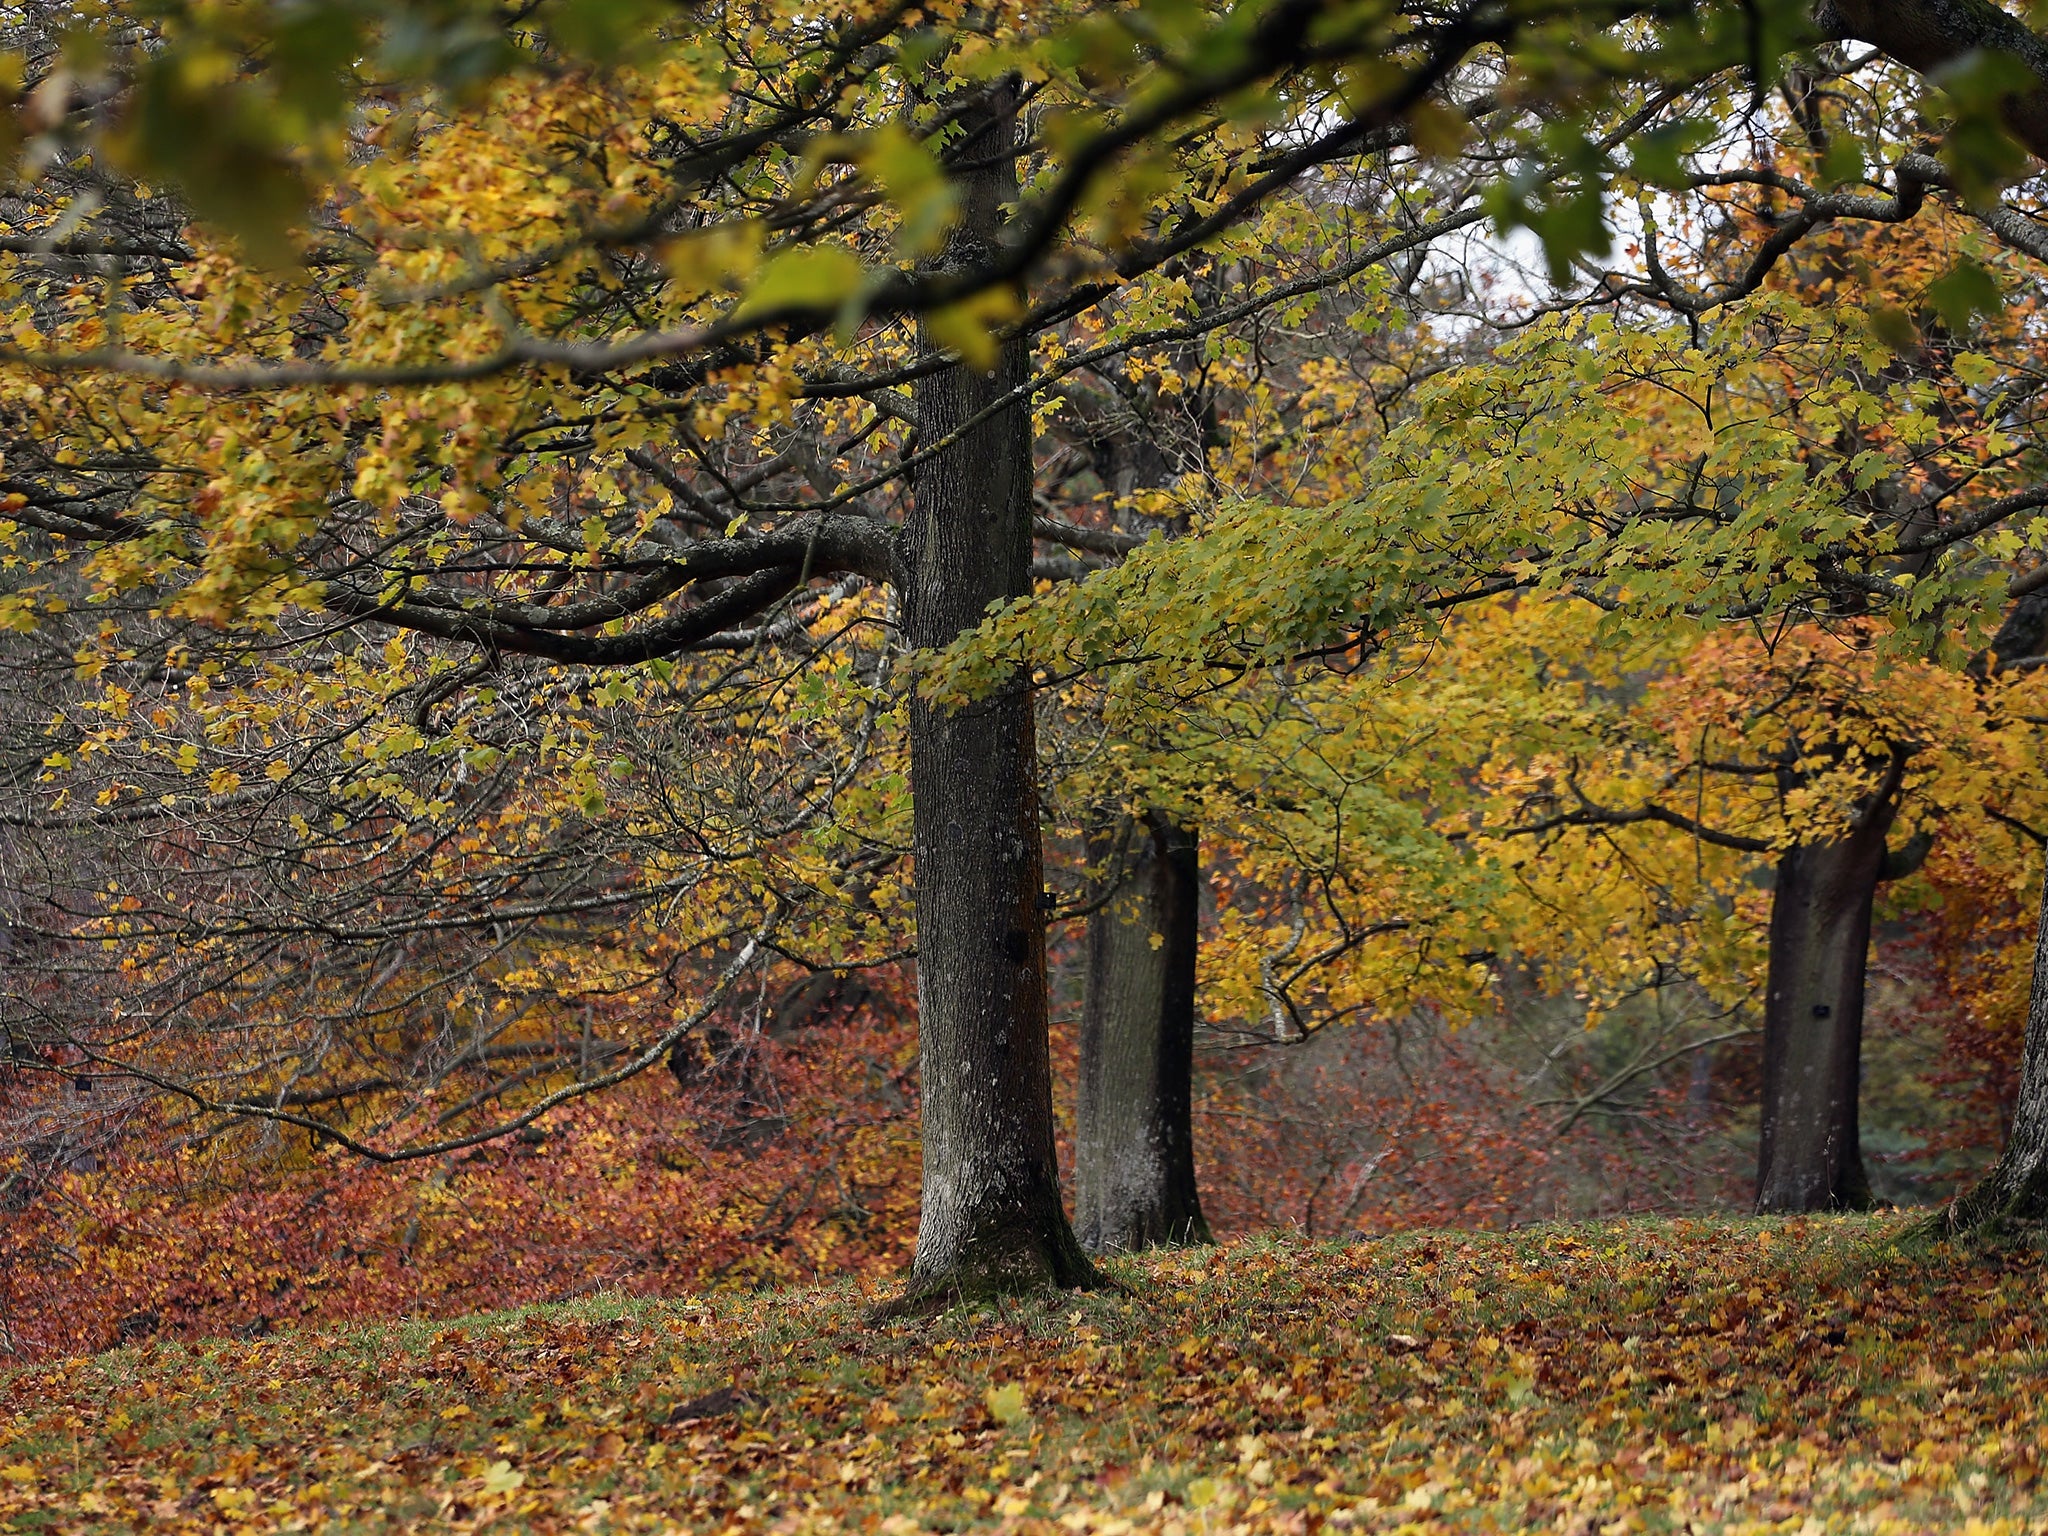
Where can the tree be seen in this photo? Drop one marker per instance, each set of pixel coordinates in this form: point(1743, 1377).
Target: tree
point(1817, 758)
point(1134, 1153)
point(705, 280)
point(992, 1217)
point(591, 393)
point(1820, 931)
point(2014, 1194)
point(1134, 1160)
point(1809, 1154)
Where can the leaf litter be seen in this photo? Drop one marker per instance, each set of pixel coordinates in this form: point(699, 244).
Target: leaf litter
point(1717, 1376)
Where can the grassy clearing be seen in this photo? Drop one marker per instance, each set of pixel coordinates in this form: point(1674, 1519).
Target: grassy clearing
point(1705, 1376)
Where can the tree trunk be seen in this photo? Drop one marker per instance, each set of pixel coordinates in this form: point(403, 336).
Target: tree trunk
point(2016, 1191)
point(1927, 36)
point(992, 1219)
point(1809, 1156)
point(1134, 1154)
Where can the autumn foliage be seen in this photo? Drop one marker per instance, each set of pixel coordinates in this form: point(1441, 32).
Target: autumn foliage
point(592, 601)
point(776, 1165)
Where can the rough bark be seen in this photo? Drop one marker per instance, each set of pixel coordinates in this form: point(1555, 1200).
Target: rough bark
point(1929, 35)
point(2016, 1191)
point(992, 1220)
point(1134, 1155)
point(1809, 1156)
point(2023, 633)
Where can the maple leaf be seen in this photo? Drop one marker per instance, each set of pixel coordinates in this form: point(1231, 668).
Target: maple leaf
point(501, 1478)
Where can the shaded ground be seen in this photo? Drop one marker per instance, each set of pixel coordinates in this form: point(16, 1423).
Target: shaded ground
point(1711, 1376)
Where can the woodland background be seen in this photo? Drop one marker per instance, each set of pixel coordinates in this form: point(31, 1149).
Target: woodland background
point(658, 1189)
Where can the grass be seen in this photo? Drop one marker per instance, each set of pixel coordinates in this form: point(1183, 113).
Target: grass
point(1707, 1376)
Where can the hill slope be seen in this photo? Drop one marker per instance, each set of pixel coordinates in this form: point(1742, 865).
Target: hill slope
point(1711, 1376)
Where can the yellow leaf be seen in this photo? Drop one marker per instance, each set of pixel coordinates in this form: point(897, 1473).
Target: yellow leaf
point(234, 1501)
point(1006, 1403)
point(971, 327)
point(501, 1479)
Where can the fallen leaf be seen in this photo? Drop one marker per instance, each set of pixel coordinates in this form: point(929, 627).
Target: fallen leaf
point(501, 1478)
point(1006, 1404)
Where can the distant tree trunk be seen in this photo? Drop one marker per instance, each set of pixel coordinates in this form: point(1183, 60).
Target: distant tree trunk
point(1809, 1154)
point(1134, 1159)
point(2016, 1191)
point(992, 1219)
point(1134, 1155)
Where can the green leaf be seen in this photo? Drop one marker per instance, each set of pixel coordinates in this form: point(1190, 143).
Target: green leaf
point(807, 277)
point(1978, 151)
point(1962, 293)
point(923, 197)
point(1658, 157)
point(972, 327)
point(1894, 327)
point(604, 30)
point(1974, 368)
point(217, 140)
point(1843, 161)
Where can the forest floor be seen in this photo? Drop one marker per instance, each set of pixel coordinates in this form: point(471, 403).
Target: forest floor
point(1723, 1375)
